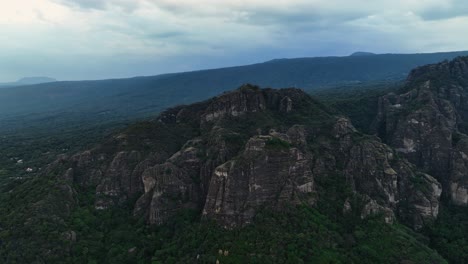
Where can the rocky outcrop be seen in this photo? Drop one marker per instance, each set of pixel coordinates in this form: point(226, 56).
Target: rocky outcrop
point(172, 185)
point(117, 182)
point(268, 173)
point(386, 182)
point(426, 120)
point(458, 188)
point(249, 150)
point(236, 104)
point(274, 171)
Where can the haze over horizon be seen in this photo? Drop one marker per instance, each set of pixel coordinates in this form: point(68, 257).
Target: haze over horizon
point(98, 39)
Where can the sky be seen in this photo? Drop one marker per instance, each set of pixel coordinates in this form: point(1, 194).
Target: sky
point(97, 39)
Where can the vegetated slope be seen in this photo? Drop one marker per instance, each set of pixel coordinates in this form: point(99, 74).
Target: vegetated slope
point(61, 103)
point(247, 164)
point(358, 102)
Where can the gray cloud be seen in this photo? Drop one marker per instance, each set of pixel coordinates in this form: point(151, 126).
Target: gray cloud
point(126, 5)
point(168, 34)
point(85, 4)
point(88, 39)
point(453, 9)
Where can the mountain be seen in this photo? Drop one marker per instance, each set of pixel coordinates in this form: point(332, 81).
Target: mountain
point(362, 53)
point(35, 80)
point(95, 102)
point(258, 176)
point(224, 137)
point(28, 81)
point(229, 160)
point(426, 122)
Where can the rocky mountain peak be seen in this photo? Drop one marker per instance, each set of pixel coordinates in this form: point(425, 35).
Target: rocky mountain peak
point(251, 99)
point(247, 99)
point(426, 123)
point(448, 72)
point(247, 150)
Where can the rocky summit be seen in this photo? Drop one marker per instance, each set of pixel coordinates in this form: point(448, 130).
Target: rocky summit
point(252, 149)
point(427, 122)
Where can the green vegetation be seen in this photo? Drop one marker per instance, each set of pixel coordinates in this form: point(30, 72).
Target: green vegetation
point(449, 234)
point(358, 102)
point(297, 235)
point(277, 144)
point(36, 148)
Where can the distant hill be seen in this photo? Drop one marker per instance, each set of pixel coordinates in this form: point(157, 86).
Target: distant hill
point(35, 80)
point(28, 81)
point(69, 103)
point(362, 53)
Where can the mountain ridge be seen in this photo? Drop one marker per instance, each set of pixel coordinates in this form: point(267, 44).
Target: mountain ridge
point(288, 126)
point(426, 123)
point(141, 97)
point(28, 81)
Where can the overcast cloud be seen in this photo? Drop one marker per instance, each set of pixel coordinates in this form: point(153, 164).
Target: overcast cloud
point(95, 39)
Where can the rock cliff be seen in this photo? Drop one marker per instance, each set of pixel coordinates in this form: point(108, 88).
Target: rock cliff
point(250, 149)
point(427, 124)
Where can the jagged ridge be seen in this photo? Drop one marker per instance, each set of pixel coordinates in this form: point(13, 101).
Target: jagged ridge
point(427, 124)
point(249, 149)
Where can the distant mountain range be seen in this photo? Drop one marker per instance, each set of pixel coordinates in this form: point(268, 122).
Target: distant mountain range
point(362, 53)
point(28, 81)
point(69, 102)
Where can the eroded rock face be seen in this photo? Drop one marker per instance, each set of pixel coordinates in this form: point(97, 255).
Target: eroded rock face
point(424, 135)
point(235, 104)
point(387, 182)
point(425, 122)
point(117, 182)
point(213, 157)
point(267, 173)
point(372, 208)
point(167, 189)
point(264, 176)
point(172, 185)
point(250, 99)
point(458, 187)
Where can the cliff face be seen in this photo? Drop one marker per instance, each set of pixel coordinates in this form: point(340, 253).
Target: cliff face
point(278, 170)
point(268, 172)
point(427, 124)
point(248, 150)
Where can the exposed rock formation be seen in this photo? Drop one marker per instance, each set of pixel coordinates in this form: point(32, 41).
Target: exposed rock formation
point(426, 123)
point(267, 173)
point(235, 104)
point(247, 150)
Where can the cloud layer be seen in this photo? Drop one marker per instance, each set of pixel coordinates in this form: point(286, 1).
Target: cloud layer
point(93, 39)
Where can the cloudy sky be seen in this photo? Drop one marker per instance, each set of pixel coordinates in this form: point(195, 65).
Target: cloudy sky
point(95, 39)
